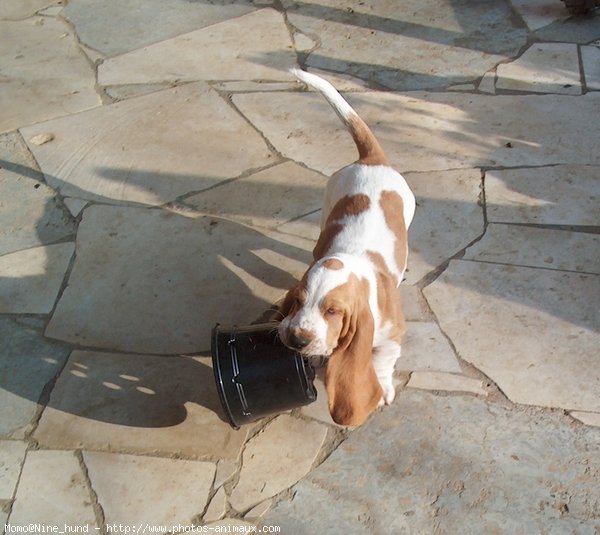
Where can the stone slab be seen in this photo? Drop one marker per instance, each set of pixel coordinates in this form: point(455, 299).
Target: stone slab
point(115, 28)
point(452, 464)
point(319, 409)
point(139, 491)
point(22, 9)
point(543, 68)
point(225, 471)
point(278, 194)
point(534, 332)
point(588, 418)
point(414, 306)
point(580, 30)
point(160, 281)
point(556, 195)
point(136, 403)
point(53, 491)
point(217, 508)
point(12, 455)
point(33, 216)
point(258, 511)
point(539, 13)
point(433, 380)
point(378, 42)
point(123, 92)
point(432, 131)
point(44, 73)
point(448, 217)
point(307, 226)
point(538, 247)
point(273, 461)
point(256, 46)
point(488, 83)
point(590, 57)
point(30, 279)
point(426, 349)
point(149, 150)
point(28, 362)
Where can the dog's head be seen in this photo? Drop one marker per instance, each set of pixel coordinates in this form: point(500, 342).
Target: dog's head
point(329, 314)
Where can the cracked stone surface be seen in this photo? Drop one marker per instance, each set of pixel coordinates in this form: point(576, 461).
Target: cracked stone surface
point(138, 490)
point(445, 381)
point(56, 474)
point(426, 349)
point(232, 49)
point(151, 295)
point(489, 311)
point(44, 75)
point(448, 219)
point(32, 216)
point(432, 131)
point(543, 68)
point(161, 171)
point(148, 150)
point(135, 403)
point(28, 362)
point(259, 477)
point(12, 454)
point(377, 42)
point(590, 56)
point(30, 279)
point(452, 465)
point(22, 9)
point(115, 29)
point(280, 193)
point(559, 195)
point(538, 247)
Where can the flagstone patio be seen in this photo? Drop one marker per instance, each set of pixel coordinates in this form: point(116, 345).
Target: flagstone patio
point(161, 171)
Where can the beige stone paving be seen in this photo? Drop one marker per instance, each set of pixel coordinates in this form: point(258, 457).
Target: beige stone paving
point(131, 488)
point(256, 46)
point(32, 51)
point(423, 131)
point(543, 68)
point(200, 203)
point(53, 491)
point(137, 403)
point(145, 150)
point(294, 443)
point(30, 279)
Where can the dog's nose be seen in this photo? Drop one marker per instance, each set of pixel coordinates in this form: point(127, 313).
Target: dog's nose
point(298, 341)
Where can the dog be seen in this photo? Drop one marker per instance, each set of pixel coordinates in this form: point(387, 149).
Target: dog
point(347, 305)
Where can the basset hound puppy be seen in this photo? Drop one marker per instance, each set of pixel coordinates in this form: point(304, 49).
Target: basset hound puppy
point(347, 305)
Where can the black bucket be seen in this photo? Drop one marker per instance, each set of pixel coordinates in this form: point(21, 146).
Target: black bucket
point(257, 375)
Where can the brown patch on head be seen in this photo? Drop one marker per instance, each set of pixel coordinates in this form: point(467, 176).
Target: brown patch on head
point(334, 264)
point(393, 211)
point(388, 297)
point(353, 389)
point(349, 205)
point(369, 149)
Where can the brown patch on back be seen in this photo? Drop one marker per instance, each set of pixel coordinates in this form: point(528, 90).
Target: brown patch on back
point(393, 211)
point(349, 205)
point(369, 149)
point(333, 263)
point(388, 296)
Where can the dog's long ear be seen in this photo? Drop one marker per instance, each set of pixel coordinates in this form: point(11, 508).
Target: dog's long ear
point(352, 386)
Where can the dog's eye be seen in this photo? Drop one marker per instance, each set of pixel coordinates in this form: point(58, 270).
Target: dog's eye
point(331, 311)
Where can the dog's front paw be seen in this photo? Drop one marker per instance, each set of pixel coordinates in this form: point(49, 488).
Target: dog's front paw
point(389, 393)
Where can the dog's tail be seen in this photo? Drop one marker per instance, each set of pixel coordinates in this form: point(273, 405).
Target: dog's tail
point(369, 149)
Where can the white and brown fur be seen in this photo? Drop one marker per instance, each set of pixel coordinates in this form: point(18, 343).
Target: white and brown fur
point(347, 305)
